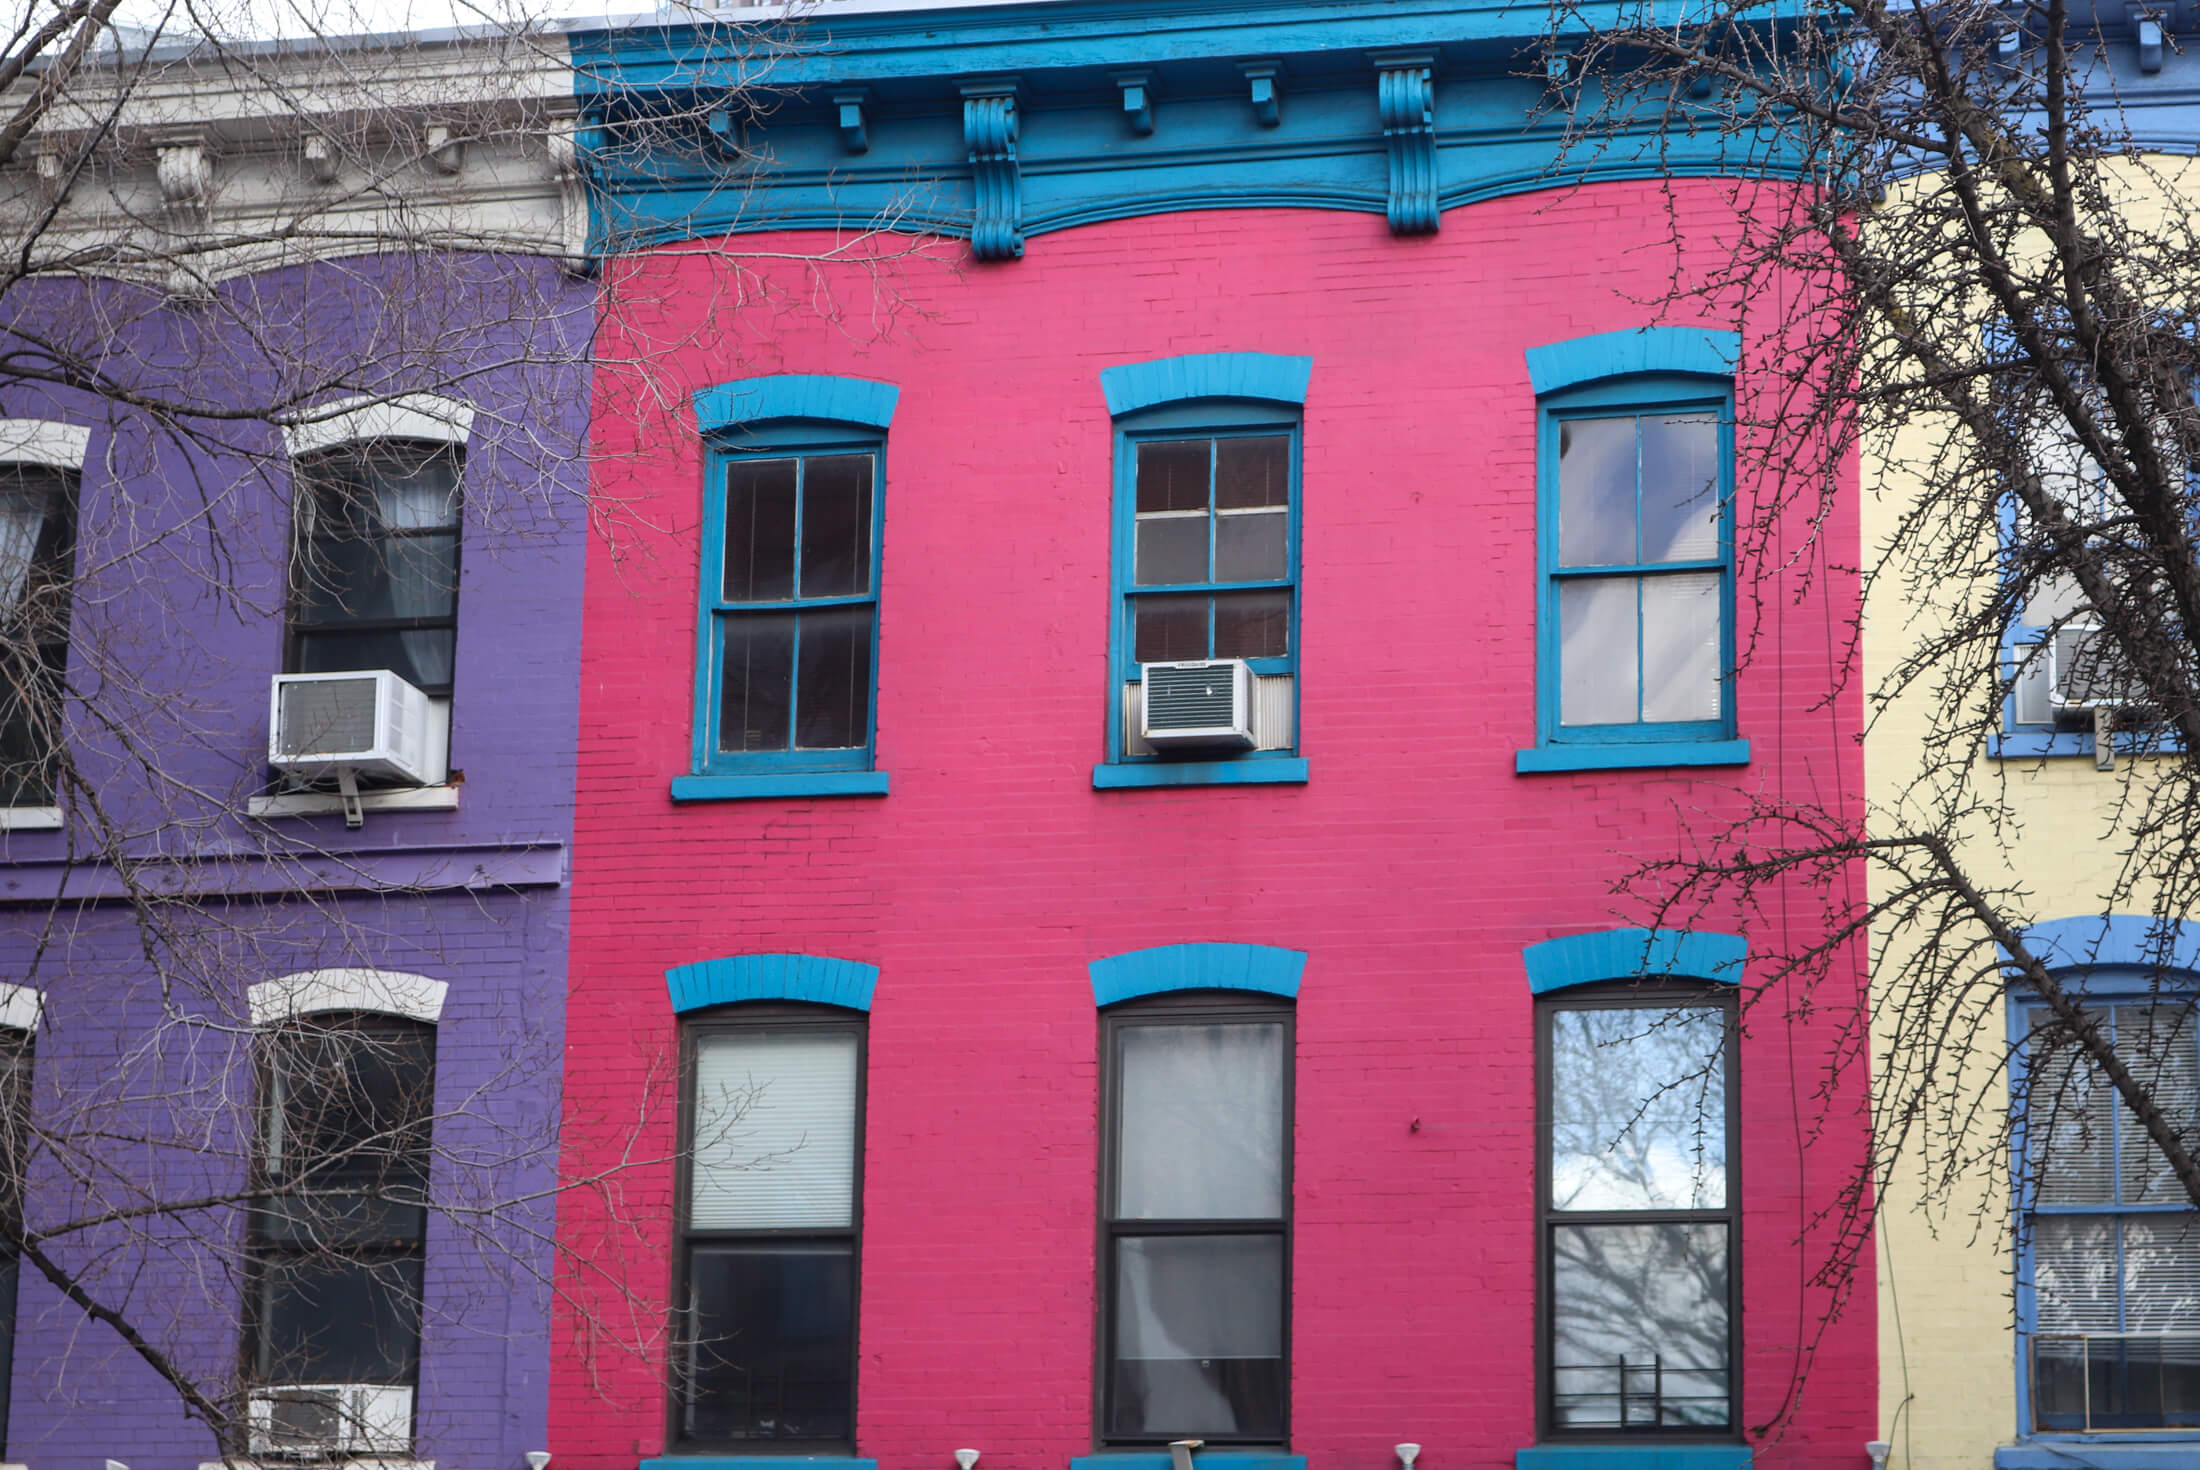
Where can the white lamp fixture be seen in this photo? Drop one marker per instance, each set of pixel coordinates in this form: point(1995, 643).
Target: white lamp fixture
point(1407, 1454)
point(966, 1458)
point(536, 1459)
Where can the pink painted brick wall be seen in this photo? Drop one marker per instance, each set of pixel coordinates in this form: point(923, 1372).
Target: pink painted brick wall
point(1411, 869)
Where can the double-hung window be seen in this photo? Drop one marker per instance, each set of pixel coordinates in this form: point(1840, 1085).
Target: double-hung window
point(1196, 1222)
point(1205, 645)
point(2109, 1253)
point(37, 561)
point(338, 1234)
point(1637, 1212)
point(787, 631)
point(765, 1329)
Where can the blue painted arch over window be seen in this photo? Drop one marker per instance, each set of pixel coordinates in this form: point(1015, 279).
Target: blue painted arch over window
point(1699, 351)
point(2139, 941)
point(798, 977)
point(1631, 954)
point(796, 396)
point(1167, 967)
point(1260, 376)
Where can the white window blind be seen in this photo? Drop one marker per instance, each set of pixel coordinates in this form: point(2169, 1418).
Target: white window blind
point(774, 1141)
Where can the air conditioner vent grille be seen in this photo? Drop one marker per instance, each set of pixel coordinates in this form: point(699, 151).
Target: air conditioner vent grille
point(1194, 698)
point(328, 717)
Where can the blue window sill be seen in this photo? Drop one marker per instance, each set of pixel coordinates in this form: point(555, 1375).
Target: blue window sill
point(2038, 744)
point(1633, 1457)
point(779, 783)
point(1211, 1459)
point(757, 1462)
point(1288, 772)
point(1619, 757)
point(2165, 1453)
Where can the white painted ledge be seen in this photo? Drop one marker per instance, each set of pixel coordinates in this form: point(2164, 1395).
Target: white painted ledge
point(28, 819)
point(330, 803)
point(348, 1462)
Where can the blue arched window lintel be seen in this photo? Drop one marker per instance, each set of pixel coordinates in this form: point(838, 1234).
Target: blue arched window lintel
point(2140, 941)
point(1631, 954)
point(798, 977)
point(1698, 351)
point(795, 396)
point(1167, 967)
point(1261, 376)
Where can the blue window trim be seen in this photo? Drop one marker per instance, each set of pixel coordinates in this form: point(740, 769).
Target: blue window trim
point(1633, 1457)
point(1256, 967)
point(1211, 393)
point(1632, 954)
point(817, 979)
point(1660, 369)
point(797, 415)
point(2107, 958)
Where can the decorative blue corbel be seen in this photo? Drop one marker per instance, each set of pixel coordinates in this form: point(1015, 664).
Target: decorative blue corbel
point(725, 131)
point(1266, 80)
point(1137, 99)
point(850, 105)
point(1558, 62)
point(989, 132)
point(2150, 46)
point(1406, 97)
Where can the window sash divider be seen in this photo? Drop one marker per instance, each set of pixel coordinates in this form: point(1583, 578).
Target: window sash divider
point(798, 604)
point(1144, 589)
point(1275, 1225)
point(1637, 569)
point(1559, 1216)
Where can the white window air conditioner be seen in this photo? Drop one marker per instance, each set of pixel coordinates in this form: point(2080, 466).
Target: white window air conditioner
point(316, 1421)
point(1205, 704)
point(2085, 673)
point(369, 724)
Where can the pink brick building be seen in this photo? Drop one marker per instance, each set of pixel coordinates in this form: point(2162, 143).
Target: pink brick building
point(1224, 1085)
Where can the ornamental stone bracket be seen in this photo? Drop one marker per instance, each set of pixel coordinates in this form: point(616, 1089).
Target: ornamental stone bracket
point(989, 134)
point(1405, 95)
point(186, 176)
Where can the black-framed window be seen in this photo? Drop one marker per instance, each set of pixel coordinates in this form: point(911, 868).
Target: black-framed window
point(374, 574)
point(1637, 1211)
point(1195, 1222)
point(339, 1231)
point(15, 1154)
point(771, 1196)
point(37, 563)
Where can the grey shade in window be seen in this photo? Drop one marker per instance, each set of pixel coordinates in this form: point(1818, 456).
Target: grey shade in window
point(1201, 1134)
point(37, 563)
point(374, 578)
point(1639, 1327)
point(1199, 1336)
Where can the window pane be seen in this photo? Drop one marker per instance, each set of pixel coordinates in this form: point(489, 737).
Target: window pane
point(759, 530)
point(349, 1106)
point(1639, 1326)
point(1596, 631)
point(1172, 474)
point(2162, 1273)
point(774, 1131)
point(1249, 547)
point(422, 657)
point(1596, 492)
point(757, 684)
point(836, 525)
point(325, 1319)
point(1680, 487)
point(1680, 646)
point(835, 699)
point(771, 1342)
point(1171, 550)
point(1169, 628)
point(373, 581)
point(1201, 1129)
point(1638, 1108)
point(1252, 624)
point(1198, 1337)
point(2161, 1045)
point(37, 535)
point(2118, 1341)
point(2074, 1272)
point(1250, 472)
point(2069, 1119)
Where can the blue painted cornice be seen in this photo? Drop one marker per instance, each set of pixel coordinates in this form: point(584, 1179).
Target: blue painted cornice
point(797, 977)
point(1583, 360)
point(1633, 954)
point(796, 396)
point(2125, 940)
point(1004, 123)
point(1167, 967)
point(1262, 377)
